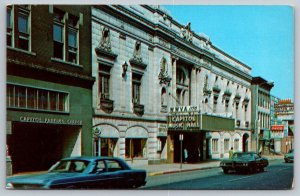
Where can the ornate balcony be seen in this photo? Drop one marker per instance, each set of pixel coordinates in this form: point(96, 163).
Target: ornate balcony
point(106, 105)
point(138, 109)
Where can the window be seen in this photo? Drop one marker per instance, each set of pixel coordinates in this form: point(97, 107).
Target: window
point(65, 36)
point(215, 145)
point(37, 99)
point(113, 165)
point(58, 34)
point(226, 105)
point(236, 144)
point(215, 104)
point(23, 28)
point(226, 145)
point(108, 146)
point(72, 39)
point(104, 76)
point(136, 88)
point(136, 148)
point(9, 25)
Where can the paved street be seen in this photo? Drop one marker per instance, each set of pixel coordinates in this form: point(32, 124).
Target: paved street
point(277, 176)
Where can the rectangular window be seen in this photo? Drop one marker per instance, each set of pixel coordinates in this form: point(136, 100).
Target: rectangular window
point(58, 41)
point(58, 34)
point(215, 104)
point(226, 145)
point(23, 27)
point(136, 88)
point(73, 39)
point(31, 98)
point(9, 26)
point(135, 148)
point(65, 36)
point(236, 145)
point(215, 145)
point(35, 99)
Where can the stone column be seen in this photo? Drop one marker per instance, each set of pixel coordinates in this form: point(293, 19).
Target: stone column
point(173, 83)
point(193, 87)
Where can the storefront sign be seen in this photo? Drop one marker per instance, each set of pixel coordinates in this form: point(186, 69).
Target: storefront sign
point(50, 120)
point(277, 127)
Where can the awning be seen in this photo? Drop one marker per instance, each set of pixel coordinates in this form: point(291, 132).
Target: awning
point(136, 132)
point(217, 123)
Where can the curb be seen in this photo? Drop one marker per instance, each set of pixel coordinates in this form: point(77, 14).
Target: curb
point(194, 169)
point(178, 171)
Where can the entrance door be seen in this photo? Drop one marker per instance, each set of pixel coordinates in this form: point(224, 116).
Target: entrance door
point(193, 143)
point(245, 142)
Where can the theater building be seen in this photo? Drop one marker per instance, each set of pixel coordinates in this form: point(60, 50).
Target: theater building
point(49, 85)
point(159, 84)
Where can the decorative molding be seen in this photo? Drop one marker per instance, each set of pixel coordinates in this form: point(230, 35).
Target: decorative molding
point(163, 74)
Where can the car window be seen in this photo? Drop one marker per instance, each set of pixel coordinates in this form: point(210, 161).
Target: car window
point(100, 167)
point(70, 166)
point(113, 165)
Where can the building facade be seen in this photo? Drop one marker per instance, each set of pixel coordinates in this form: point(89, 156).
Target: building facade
point(261, 114)
point(159, 85)
point(284, 111)
point(49, 84)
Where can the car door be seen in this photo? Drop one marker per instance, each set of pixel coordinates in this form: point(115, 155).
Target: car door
point(99, 176)
point(117, 173)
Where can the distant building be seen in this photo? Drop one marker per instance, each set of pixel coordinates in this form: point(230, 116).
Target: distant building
point(261, 114)
point(284, 111)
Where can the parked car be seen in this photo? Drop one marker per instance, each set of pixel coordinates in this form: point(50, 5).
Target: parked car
point(82, 173)
point(289, 157)
point(244, 162)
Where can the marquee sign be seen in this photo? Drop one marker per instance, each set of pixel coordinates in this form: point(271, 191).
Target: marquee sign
point(184, 118)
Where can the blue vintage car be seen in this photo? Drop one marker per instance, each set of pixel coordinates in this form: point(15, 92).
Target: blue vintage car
point(82, 173)
point(244, 162)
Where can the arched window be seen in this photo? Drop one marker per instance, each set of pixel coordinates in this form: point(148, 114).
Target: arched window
point(163, 97)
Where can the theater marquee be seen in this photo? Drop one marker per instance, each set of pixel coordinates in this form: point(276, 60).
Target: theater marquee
point(184, 118)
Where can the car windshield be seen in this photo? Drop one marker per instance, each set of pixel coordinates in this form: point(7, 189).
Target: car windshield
point(291, 151)
point(243, 155)
point(69, 166)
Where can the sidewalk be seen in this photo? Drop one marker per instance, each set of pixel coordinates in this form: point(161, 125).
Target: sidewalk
point(160, 169)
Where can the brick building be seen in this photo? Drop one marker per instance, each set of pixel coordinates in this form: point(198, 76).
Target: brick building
point(49, 84)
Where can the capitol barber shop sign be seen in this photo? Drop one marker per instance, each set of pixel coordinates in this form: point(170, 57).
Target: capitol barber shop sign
point(50, 120)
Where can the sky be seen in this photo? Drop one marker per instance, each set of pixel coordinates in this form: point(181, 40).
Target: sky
point(261, 37)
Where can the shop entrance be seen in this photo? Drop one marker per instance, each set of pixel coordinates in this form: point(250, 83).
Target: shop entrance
point(36, 147)
point(193, 143)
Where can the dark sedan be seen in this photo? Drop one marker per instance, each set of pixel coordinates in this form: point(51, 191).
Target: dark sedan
point(244, 162)
point(289, 157)
point(82, 173)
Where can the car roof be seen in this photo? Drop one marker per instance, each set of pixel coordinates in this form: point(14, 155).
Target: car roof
point(90, 158)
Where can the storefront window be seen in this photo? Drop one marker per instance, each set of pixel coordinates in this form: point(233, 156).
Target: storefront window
point(215, 148)
point(136, 148)
point(236, 145)
point(108, 146)
point(226, 145)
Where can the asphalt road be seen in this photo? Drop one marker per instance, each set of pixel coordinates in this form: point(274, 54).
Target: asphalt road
point(277, 176)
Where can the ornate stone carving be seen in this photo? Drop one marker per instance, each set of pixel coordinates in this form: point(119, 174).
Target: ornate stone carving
point(137, 55)
point(163, 74)
point(105, 43)
point(186, 32)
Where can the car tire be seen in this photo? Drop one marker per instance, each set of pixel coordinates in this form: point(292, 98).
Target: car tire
point(225, 170)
